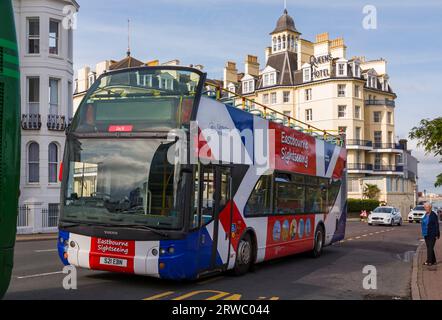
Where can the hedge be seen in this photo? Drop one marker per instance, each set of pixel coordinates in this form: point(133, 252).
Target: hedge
point(357, 205)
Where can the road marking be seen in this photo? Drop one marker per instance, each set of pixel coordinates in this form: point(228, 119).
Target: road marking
point(358, 237)
point(46, 250)
point(218, 294)
point(349, 239)
point(40, 275)
point(161, 295)
point(364, 235)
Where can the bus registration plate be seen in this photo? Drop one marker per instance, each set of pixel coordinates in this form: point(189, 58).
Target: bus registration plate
point(113, 262)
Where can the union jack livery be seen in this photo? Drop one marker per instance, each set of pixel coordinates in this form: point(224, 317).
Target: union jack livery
point(163, 178)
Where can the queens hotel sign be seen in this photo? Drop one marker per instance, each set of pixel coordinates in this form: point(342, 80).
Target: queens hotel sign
point(321, 66)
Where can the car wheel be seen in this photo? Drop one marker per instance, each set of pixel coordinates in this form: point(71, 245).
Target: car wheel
point(400, 222)
point(244, 256)
point(319, 242)
point(370, 224)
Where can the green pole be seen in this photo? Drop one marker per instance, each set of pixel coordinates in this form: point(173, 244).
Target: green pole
point(9, 141)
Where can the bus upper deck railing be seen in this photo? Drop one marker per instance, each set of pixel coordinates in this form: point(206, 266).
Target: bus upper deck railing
point(228, 97)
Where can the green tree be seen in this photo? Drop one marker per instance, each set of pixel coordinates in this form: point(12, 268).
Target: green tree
point(429, 136)
point(371, 191)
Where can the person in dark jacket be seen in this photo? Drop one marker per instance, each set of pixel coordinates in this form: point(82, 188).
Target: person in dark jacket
point(430, 232)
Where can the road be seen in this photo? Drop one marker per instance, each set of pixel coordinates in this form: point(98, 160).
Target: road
point(337, 274)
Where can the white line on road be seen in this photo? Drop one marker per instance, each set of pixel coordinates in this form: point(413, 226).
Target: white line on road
point(39, 275)
point(45, 250)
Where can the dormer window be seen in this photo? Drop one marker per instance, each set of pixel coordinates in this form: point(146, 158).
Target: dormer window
point(373, 82)
point(356, 70)
point(341, 69)
point(269, 79)
point(248, 86)
point(307, 75)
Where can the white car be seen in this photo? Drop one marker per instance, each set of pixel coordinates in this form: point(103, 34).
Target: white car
point(416, 214)
point(385, 215)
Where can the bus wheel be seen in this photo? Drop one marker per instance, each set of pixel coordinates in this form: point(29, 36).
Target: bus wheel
point(244, 256)
point(319, 242)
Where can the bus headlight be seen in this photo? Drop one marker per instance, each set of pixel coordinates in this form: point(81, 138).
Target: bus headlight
point(162, 251)
point(171, 250)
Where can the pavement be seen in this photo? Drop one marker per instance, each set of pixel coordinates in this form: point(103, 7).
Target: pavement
point(427, 280)
point(36, 237)
point(337, 274)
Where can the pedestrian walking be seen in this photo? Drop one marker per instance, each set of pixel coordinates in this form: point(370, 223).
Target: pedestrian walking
point(430, 232)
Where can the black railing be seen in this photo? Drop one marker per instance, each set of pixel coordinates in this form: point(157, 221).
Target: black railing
point(393, 168)
point(381, 145)
point(50, 215)
point(358, 142)
point(23, 216)
point(31, 121)
point(56, 122)
point(386, 102)
point(360, 166)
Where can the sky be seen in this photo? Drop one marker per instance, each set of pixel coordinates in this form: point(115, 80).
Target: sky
point(211, 32)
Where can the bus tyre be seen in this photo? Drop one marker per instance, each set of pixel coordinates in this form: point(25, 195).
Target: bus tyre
point(244, 256)
point(319, 242)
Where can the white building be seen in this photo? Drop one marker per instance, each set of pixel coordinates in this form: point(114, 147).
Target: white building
point(46, 66)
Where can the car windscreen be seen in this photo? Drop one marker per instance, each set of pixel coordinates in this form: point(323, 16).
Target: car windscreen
point(383, 210)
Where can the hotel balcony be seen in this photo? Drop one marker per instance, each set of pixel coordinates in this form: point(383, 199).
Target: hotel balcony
point(388, 169)
point(357, 144)
point(386, 102)
point(388, 147)
point(359, 168)
point(56, 122)
point(31, 121)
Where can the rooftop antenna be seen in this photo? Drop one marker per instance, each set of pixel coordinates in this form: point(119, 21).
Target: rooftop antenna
point(128, 37)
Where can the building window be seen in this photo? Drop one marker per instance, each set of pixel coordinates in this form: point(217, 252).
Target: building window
point(389, 118)
point(52, 163)
point(33, 95)
point(341, 69)
point(265, 98)
point(358, 133)
point(377, 116)
point(248, 86)
point(309, 115)
point(357, 91)
point(357, 112)
point(269, 79)
point(377, 138)
point(33, 35)
point(307, 75)
point(53, 96)
point(91, 79)
point(54, 33)
point(273, 98)
point(390, 137)
point(342, 111)
point(356, 70)
point(34, 163)
point(341, 90)
point(286, 96)
point(308, 94)
point(377, 161)
point(287, 113)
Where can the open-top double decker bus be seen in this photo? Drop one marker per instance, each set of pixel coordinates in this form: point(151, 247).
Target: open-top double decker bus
point(165, 177)
point(9, 141)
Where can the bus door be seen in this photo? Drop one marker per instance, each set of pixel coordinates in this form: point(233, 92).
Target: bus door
point(214, 196)
point(223, 215)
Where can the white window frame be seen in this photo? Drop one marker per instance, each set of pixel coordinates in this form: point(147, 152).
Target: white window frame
point(265, 98)
point(308, 94)
point(57, 38)
point(307, 75)
point(341, 69)
point(54, 104)
point(53, 163)
point(33, 162)
point(286, 96)
point(33, 37)
point(308, 114)
point(342, 111)
point(342, 92)
point(273, 98)
point(357, 112)
point(357, 91)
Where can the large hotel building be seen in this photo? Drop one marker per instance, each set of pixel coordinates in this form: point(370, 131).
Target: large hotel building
point(315, 82)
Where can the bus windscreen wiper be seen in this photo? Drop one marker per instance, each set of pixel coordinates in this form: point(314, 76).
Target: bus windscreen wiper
point(142, 227)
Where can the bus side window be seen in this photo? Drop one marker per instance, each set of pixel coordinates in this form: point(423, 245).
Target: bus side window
point(207, 194)
point(259, 201)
